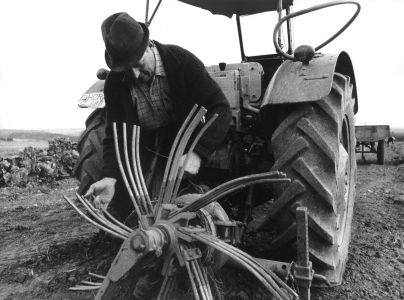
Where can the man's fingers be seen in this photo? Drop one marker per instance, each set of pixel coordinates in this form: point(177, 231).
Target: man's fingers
point(182, 160)
point(90, 191)
point(97, 202)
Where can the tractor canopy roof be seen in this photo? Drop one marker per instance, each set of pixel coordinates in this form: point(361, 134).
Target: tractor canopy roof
point(238, 7)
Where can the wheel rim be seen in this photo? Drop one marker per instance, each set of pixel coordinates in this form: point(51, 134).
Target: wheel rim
point(345, 178)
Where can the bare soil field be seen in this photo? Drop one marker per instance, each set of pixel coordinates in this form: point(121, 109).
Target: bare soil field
point(46, 248)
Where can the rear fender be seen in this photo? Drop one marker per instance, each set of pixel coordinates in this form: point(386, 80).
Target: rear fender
point(94, 96)
point(294, 82)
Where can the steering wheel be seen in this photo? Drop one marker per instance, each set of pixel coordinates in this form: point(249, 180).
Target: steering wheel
point(308, 10)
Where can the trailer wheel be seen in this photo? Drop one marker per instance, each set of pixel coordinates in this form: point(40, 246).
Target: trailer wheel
point(88, 166)
point(314, 145)
point(380, 152)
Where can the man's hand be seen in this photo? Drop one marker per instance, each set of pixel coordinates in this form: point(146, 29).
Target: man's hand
point(193, 164)
point(102, 191)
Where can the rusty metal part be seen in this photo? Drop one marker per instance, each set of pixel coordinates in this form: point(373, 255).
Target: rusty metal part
point(303, 268)
point(281, 269)
point(122, 264)
point(230, 231)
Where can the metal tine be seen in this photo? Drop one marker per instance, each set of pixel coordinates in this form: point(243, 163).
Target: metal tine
point(171, 155)
point(97, 215)
point(179, 152)
point(267, 274)
point(170, 285)
point(118, 158)
point(136, 170)
point(226, 249)
point(133, 184)
point(191, 148)
point(201, 282)
point(230, 187)
point(84, 288)
point(267, 278)
point(91, 283)
point(271, 287)
point(93, 222)
point(204, 276)
point(117, 222)
point(164, 286)
point(190, 275)
point(96, 275)
point(138, 167)
point(226, 191)
point(167, 283)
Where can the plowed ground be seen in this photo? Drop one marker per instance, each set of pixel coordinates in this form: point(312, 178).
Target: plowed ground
point(45, 247)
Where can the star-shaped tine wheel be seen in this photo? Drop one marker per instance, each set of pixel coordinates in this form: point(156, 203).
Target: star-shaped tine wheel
point(179, 229)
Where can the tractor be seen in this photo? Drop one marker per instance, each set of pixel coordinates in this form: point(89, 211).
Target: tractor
point(286, 172)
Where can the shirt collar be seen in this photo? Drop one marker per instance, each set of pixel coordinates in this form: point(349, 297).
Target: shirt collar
point(159, 69)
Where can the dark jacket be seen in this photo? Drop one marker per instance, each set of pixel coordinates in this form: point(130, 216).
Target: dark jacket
point(189, 84)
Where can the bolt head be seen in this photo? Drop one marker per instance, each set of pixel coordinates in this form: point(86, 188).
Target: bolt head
point(138, 243)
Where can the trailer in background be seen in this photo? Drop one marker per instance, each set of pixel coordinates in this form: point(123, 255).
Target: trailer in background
point(368, 136)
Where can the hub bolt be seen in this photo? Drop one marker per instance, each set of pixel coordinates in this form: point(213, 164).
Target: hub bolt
point(138, 243)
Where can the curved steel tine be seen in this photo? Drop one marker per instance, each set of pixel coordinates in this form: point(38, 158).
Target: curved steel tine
point(266, 277)
point(96, 275)
point(117, 222)
point(227, 188)
point(214, 197)
point(125, 179)
point(190, 275)
point(204, 278)
point(133, 184)
point(84, 288)
point(138, 167)
point(179, 152)
point(172, 152)
point(91, 283)
point(99, 217)
point(93, 222)
point(191, 148)
point(205, 288)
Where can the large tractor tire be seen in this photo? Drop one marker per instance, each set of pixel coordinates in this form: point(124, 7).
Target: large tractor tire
point(380, 152)
point(89, 165)
point(314, 145)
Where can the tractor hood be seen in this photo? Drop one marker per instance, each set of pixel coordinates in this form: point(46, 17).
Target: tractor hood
point(238, 7)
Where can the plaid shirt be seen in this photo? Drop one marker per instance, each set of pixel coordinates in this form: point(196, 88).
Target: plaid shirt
point(152, 102)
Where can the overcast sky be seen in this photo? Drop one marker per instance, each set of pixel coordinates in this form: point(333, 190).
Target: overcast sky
point(50, 52)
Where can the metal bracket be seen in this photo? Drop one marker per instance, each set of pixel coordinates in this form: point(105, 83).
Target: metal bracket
point(303, 268)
